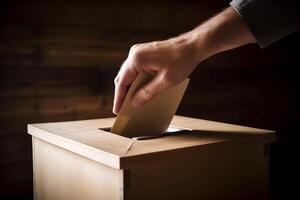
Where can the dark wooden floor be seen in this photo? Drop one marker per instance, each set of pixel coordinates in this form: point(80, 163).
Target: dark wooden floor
point(58, 60)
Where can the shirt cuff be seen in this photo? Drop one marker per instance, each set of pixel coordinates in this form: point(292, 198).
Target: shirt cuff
point(268, 20)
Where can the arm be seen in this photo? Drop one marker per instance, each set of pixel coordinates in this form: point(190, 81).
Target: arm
point(172, 60)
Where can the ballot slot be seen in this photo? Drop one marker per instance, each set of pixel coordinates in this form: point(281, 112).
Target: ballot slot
point(153, 117)
point(172, 130)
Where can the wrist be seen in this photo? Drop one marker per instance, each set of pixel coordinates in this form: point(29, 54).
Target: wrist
point(223, 32)
point(202, 42)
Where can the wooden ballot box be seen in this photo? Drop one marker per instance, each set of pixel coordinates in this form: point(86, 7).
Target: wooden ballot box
point(210, 160)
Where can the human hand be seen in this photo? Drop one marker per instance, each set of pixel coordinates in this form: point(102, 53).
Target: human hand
point(170, 61)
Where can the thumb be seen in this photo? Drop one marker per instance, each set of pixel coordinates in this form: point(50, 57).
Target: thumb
point(148, 91)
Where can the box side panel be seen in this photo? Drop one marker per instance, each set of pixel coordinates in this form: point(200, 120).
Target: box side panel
point(237, 171)
point(33, 167)
point(61, 175)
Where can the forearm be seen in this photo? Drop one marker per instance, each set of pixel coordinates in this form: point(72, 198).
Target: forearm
point(224, 31)
point(172, 60)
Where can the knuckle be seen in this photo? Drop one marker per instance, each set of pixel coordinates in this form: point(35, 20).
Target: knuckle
point(146, 93)
point(136, 53)
point(134, 47)
point(137, 56)
point(116, 80)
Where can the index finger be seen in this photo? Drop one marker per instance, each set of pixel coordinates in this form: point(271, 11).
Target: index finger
point(125, 77)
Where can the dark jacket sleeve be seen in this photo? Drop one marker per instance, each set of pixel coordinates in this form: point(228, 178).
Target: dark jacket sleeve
point(269, 20)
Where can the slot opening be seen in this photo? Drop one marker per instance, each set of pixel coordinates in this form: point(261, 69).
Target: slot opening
point(172, 130)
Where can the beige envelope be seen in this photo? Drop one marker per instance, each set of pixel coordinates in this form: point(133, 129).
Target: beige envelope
point(154, 117)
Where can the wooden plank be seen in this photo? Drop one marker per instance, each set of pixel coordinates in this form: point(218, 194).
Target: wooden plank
point(16, 121)
point(105, 147)
point(82, 57)
point(75, 103)
point(16, 173)
point(36, 76)
point(17, 191)
point(15, 148)
point(89, 14)
point(14, 91)
point(66, 175)
point(76, 57)
point(233, 171)
point(16, 180)
point(68, 36)
point(12, 47)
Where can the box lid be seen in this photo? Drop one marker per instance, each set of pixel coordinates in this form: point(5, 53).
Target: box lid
point(85, 138)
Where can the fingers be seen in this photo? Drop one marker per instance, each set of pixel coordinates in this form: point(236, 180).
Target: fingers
point(125, 77)
point(150, 90)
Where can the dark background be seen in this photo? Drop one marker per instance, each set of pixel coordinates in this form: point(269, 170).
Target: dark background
point(58, 60)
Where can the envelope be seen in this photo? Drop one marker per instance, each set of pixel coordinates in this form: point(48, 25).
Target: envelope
point(152, 118)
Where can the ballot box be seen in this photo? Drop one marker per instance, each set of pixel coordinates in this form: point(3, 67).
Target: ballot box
point(207, 160)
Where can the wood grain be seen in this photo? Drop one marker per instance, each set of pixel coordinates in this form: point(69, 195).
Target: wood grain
point(66, 175)
point(86, 138)
point(57, 49)
point(78, 160)
point(234, 171)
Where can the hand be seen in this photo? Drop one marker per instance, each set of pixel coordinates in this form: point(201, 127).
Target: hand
point(172, 60)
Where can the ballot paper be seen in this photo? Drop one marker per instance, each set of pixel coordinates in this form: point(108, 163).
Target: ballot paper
point(152, 118)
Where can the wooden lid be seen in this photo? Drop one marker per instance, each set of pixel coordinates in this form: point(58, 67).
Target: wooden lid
point(85, 138)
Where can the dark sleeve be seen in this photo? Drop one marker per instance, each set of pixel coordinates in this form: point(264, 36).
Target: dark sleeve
point(269, 20)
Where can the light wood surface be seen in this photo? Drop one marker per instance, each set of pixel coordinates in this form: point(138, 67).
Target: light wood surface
point(229, 172)
point(62, 175)
point(85, 138)
point(76, 160)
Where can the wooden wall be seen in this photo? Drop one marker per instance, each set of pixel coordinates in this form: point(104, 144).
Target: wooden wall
point(58, 60)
